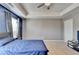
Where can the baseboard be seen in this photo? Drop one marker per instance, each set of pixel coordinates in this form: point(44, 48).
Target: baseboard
point(54, 40)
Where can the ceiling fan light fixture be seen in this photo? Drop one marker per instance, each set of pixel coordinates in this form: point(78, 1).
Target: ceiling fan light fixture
point(47, 4)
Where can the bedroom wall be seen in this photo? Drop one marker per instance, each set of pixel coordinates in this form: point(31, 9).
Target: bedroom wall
point(74, 14)
point(43, 28)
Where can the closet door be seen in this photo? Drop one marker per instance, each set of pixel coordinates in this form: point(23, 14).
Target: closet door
point(68, 30)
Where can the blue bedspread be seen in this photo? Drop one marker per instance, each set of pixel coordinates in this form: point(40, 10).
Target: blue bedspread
point(24, 47)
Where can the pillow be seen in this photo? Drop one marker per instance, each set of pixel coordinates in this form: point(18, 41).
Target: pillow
point(4, 41)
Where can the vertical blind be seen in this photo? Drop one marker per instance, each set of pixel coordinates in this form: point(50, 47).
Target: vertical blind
point(6, 22)
point(2, 21)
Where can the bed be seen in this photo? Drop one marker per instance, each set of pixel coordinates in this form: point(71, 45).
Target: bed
point(23, 47)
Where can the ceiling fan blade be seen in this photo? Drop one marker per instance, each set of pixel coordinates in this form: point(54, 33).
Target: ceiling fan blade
point(40, 5)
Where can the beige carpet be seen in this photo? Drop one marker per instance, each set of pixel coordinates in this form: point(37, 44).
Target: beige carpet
point(59, 48)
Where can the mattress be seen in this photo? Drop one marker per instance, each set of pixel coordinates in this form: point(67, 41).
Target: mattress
point(24, 47)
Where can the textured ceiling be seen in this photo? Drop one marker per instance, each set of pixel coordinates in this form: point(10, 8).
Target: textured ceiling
point(55, 9)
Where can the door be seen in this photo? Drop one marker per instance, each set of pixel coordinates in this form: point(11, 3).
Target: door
point(68, 30)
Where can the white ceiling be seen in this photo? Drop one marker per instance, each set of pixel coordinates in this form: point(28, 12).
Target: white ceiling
point(56, 7)
point(30, 10)
point(55, 10)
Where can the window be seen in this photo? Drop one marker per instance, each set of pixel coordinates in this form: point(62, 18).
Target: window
point(15, 27)
point(10, 23)
point(2, 21)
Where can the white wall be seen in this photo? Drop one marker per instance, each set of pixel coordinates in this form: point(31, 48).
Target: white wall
point(51, 29)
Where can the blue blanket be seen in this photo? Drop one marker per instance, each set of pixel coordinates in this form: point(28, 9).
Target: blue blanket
point(24, 47)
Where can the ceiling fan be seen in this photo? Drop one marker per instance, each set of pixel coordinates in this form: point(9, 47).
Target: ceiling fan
point(45, 4)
